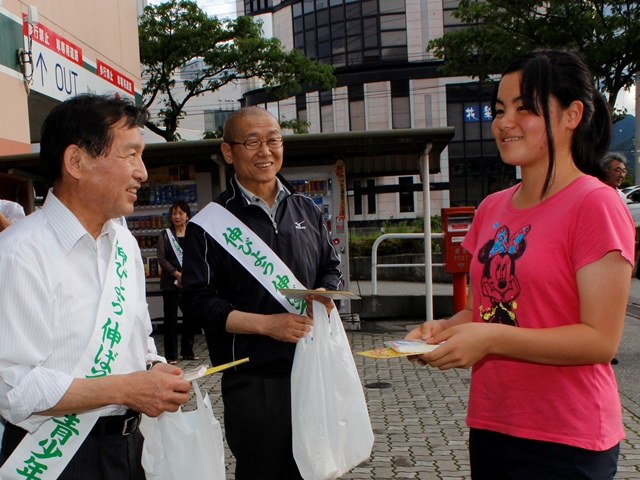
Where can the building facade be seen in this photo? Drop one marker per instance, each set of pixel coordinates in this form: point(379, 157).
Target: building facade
point(51, 51)
point(387, 80)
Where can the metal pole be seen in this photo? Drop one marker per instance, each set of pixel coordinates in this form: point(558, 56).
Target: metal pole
point(428, 274)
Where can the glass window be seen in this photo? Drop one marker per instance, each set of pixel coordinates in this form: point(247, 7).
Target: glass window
point(337, 31)
point(309, 21)
point(308, 6)
point(370, 26)
point(323, 34)
point(322, 17)
point(357, 197)
point(354, 44)
point(401, 112)
point(393, 22)
point(371, 196)
point(297, 10)
point(337, 14)
point(354, 58)
point(394, 53)
point(354, 27)
point(352, 11)
point(392, 6)
point(369, 7)
point(406, 194)
point(339, 60)
point(298, 25)
point(335, 2)
point(298, 41)
point(338, 45)
point(320, 4)
point(392, 39)
point(324, 51)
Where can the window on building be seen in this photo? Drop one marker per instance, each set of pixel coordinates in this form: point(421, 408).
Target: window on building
point(475, 168)
point(356, 108)
point(214, 119)
point(400, 104)
point(371, 196)
point(357, 197)
point(357, 31)
point(406, 202)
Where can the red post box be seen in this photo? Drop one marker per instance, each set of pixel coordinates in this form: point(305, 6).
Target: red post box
point(456, 222)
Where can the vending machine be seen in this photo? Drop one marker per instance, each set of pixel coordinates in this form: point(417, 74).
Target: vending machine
point(327, 186)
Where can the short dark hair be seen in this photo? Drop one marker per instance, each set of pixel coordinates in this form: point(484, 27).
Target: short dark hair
point(86, 121)
point(563, 75)
point(182, 205)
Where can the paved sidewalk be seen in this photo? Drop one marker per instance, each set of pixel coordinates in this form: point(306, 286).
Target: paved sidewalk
point(418, 420)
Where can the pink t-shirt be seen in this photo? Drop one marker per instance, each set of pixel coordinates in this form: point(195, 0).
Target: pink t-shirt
point(523, 274)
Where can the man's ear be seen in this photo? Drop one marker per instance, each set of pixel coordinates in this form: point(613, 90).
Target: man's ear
point(72, 161)
point(227, 154)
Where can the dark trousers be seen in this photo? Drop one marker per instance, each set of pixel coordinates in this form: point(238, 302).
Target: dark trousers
point(257, 420)
point(171, 300)
point(101, 457)
point(496, 456)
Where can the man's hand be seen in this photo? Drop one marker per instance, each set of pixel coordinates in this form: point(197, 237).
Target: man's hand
point(327, 302)
point(287, 327)
point(158, 390)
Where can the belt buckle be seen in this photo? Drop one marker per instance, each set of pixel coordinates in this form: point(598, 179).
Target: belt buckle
point(126, 430)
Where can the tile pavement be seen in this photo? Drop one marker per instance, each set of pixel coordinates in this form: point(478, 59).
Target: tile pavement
point(418, 420)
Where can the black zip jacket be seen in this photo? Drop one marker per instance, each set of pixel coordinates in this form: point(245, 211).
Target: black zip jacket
point(220, 284)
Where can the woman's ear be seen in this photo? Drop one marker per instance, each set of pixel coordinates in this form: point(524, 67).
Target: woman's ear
point(574, 114)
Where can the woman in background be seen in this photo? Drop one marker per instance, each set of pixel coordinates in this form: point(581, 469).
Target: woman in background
point(169, 247)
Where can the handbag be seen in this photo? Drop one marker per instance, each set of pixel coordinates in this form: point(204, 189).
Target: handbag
point(184, 445)
point(331, 427)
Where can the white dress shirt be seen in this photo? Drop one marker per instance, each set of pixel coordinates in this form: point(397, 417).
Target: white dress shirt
point(52, 274)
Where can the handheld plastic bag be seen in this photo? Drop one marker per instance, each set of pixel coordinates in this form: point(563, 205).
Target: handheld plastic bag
point(331, 427)
point(184, 445)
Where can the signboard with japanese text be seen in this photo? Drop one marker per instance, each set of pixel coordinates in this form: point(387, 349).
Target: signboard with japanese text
point(61, 71)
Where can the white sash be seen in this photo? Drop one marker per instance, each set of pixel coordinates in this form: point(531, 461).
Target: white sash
point(252, 252)
point(44, 454)
point(177, 249)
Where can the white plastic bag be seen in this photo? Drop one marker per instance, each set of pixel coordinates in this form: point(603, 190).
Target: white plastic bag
point(331, 427)
point(184, 445)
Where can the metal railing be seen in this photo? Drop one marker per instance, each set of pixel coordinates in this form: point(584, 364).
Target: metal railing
point(374, 256)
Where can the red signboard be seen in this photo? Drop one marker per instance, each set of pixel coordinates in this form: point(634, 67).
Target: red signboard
point(50, 39)
point(114, 77)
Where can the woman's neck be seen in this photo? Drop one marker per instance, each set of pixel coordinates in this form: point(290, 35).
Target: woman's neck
point(531, 191)
point(180, 231)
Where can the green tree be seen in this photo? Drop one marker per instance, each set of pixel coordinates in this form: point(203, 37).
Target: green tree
point(177, 33)
point(606, 33)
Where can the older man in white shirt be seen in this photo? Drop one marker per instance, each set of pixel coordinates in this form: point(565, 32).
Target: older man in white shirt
point(76, 330)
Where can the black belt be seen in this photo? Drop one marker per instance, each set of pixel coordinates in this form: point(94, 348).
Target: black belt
point(117, 424)
point(114, 425)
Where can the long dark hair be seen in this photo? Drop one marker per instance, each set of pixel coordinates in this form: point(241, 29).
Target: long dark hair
point(563, 75)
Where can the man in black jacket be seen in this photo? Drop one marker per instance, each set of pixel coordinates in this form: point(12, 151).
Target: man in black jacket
point(240, 315)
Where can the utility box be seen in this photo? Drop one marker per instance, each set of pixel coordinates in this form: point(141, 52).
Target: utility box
point(456, 222)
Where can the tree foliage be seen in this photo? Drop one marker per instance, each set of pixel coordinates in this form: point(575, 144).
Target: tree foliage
point(173, 35)
point(606, 33)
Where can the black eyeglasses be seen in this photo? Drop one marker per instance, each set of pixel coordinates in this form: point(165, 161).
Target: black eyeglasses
point(619, 170)
point(255, 144)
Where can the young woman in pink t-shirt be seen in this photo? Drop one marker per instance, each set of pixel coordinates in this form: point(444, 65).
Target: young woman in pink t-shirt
point(550, 276)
